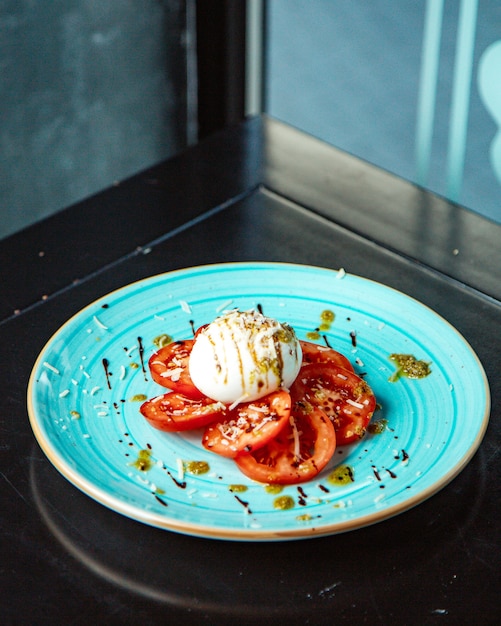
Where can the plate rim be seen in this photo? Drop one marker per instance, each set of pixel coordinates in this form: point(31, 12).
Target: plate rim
point(245, 533)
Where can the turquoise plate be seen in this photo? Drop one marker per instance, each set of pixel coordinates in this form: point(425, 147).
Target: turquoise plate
point(86, 388)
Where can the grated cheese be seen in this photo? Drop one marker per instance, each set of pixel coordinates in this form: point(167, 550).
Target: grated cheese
point(51, 367)
point(224, 306)
point(99, 323)
point(180, 468)
point(357, 405)
point(174, 373)
point(295, 434)
point(263, 423)
point(238, 401)
point(259, 409)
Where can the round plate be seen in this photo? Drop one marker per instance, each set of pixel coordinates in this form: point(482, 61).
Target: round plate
point(88, 382)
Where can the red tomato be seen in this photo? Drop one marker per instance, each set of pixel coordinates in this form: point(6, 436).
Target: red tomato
point(169, 368)
point(346, 399)
point(249, 426)
point(315, 353)
point(298, 453)
point(174, 412)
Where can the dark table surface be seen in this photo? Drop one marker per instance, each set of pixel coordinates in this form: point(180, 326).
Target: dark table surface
point(259, 191)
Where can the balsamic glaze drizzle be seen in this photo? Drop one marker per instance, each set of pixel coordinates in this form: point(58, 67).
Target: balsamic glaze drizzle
point(106, 365)
point(178, 483)
point(243, 503)
point(141, 356)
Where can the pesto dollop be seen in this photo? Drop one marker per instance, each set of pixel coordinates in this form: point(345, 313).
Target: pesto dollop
point(273, 489)
point(238, 488)
point(143, 462)
point(341, 475)
point(409, 367)
point(139, 397)
point(162, 340)
point(326, 319)
point(377, 427)
point(283, 503)
point(197, 467)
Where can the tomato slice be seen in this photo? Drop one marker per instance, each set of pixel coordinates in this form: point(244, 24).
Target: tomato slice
point(249, 426)
point(298, 453)
point(345, 397)
point(174, 412)
point(316, 353)
point(169, 368)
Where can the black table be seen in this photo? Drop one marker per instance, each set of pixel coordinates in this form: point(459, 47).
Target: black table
point(259, 191)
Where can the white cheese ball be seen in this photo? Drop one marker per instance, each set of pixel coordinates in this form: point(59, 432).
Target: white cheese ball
point(243, 356)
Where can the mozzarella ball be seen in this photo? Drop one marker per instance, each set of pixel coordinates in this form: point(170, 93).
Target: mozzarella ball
point(243, 356)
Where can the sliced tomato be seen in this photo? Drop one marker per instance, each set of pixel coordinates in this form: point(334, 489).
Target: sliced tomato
point(298, 453)
point(169, 368)
point(175, 412)
point(249, 426)
point(345, 397)
point(316, 353)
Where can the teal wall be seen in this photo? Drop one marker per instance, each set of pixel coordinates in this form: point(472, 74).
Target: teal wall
point(90, 92)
